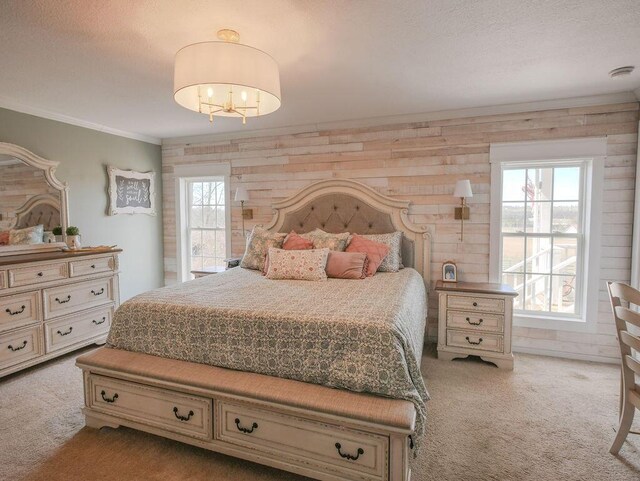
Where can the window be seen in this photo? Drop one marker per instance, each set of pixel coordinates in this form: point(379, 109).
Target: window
point(206, 222)
point(542, 237)
point(546, 209)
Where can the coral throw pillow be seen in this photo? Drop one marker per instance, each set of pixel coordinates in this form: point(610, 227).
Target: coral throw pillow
point(295, 242)
point(376, 251)
point(4, 238)
point(347, 265)
point(304, 265)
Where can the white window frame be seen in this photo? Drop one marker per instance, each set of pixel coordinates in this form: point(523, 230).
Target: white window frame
point(183, 175)
point(592, 153)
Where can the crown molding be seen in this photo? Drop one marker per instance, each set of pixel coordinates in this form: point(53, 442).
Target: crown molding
point(8, 104)
point(616, 98)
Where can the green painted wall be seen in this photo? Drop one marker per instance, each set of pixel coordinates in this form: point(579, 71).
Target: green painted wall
point(83, 155)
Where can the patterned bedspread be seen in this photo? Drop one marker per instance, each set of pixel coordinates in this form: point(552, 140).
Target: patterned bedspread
point(363, 335)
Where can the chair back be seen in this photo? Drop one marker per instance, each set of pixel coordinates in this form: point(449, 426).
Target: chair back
point(622, 298)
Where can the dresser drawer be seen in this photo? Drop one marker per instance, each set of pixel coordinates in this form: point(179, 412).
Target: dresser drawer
point(91, 266)
point(20, 346)
point(181, 413)
point(26, 276)
point(353, 454)
point(481, 341)
point(77, 328)
point(19, 310)
point(475, 321)
point(472, 303)
point(3, 279)
point(71, 298)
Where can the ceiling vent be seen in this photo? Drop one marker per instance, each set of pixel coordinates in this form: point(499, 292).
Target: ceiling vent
point(621, 71)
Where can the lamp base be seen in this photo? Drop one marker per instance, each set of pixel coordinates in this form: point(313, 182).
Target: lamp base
point(461, 213)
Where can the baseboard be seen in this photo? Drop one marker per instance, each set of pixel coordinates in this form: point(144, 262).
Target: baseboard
point(566, 355)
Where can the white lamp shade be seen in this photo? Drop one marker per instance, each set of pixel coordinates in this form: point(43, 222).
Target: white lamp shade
point(241, 194)
point(217, 67)
point(463, 189)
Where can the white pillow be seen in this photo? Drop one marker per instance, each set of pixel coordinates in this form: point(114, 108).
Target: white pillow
point(28, 235)
point(305, 265)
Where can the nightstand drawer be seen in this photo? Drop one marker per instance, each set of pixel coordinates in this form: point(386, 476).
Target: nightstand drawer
point(481, 341)
point(472, 303)
point(475, 321)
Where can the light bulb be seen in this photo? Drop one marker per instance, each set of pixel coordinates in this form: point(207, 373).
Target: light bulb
point(210, 92)
point(243, 95)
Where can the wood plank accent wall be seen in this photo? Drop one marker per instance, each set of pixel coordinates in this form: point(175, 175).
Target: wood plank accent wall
point(421, 162)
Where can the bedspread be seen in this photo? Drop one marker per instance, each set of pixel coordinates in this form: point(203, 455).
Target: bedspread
point(361, 335)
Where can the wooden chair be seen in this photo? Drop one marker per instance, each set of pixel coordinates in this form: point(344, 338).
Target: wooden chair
point(621, 294)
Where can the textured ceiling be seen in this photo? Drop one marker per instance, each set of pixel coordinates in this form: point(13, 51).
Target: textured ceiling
point(110, 62)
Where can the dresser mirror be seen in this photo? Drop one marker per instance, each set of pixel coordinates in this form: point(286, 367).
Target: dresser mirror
point(30, 196)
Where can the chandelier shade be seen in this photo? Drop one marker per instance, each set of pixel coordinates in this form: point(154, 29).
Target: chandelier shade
point(226, 79)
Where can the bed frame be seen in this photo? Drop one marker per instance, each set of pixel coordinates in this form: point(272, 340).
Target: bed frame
point(313, 430)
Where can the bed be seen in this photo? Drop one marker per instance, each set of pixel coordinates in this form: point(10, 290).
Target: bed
point(362, 336)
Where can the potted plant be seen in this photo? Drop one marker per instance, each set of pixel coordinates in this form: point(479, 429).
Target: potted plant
point(57, 231)
point(73, 237)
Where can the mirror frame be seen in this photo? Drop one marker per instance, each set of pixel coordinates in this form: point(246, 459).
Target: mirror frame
point(49, 169)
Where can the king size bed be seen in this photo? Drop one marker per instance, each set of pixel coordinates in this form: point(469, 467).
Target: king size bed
point(317, 378)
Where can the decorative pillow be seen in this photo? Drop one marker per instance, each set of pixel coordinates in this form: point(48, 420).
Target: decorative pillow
point(322, 239)
point(4, 238)
point(295, 242)
point(347, 265)
point(393, 261)
point(28, 235)
point(376, 251)
point(304, 265)
point(258, 245)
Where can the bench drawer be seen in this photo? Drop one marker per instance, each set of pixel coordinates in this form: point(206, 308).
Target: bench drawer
point(481, 341)
point(475, 321)
point(471, 303)
point(77, 328)
point(31, 275)
point(71, 298)
point(19, 310)
point(20, 346)
point(181, 413)
point(91, 266)
point(350, 453)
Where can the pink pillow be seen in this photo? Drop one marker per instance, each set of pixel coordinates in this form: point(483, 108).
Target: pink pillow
point(376, 251)
point(4, 238)
point(347, 265)
point(295, 242)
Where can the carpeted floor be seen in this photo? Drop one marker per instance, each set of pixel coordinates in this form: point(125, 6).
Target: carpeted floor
point(549, 419)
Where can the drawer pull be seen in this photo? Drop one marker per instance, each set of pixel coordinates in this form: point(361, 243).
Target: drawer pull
point(97, 293)
point(97, 323)
point(480, 321)
point(40, 274)
point(475, 304)
point(347, 455)
point(106, 399)
point(182, 418)
point(15, 313)
point(63, 301)
point(66, 333)
point(246, 430)
point(93, 266)
point(472, 342)
point(14, 349)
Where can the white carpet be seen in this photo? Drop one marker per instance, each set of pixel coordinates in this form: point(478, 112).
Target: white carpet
point(549, 419)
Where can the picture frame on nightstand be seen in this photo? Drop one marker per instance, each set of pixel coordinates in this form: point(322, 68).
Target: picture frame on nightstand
point(449, 272)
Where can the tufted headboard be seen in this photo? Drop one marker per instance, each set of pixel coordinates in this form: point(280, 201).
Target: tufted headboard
point(341, 205)
point(40, 209)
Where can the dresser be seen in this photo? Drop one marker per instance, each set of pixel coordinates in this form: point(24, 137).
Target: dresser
point(475, 319)
point(52, 303)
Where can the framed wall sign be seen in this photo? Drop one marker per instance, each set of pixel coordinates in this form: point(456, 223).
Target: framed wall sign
point(131, 192)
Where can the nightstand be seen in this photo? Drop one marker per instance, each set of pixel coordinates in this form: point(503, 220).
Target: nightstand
point(475, 320)
point(207, 271)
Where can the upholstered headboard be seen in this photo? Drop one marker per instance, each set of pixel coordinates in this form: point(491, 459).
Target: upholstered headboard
point(40, 209)
point(341, 205)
